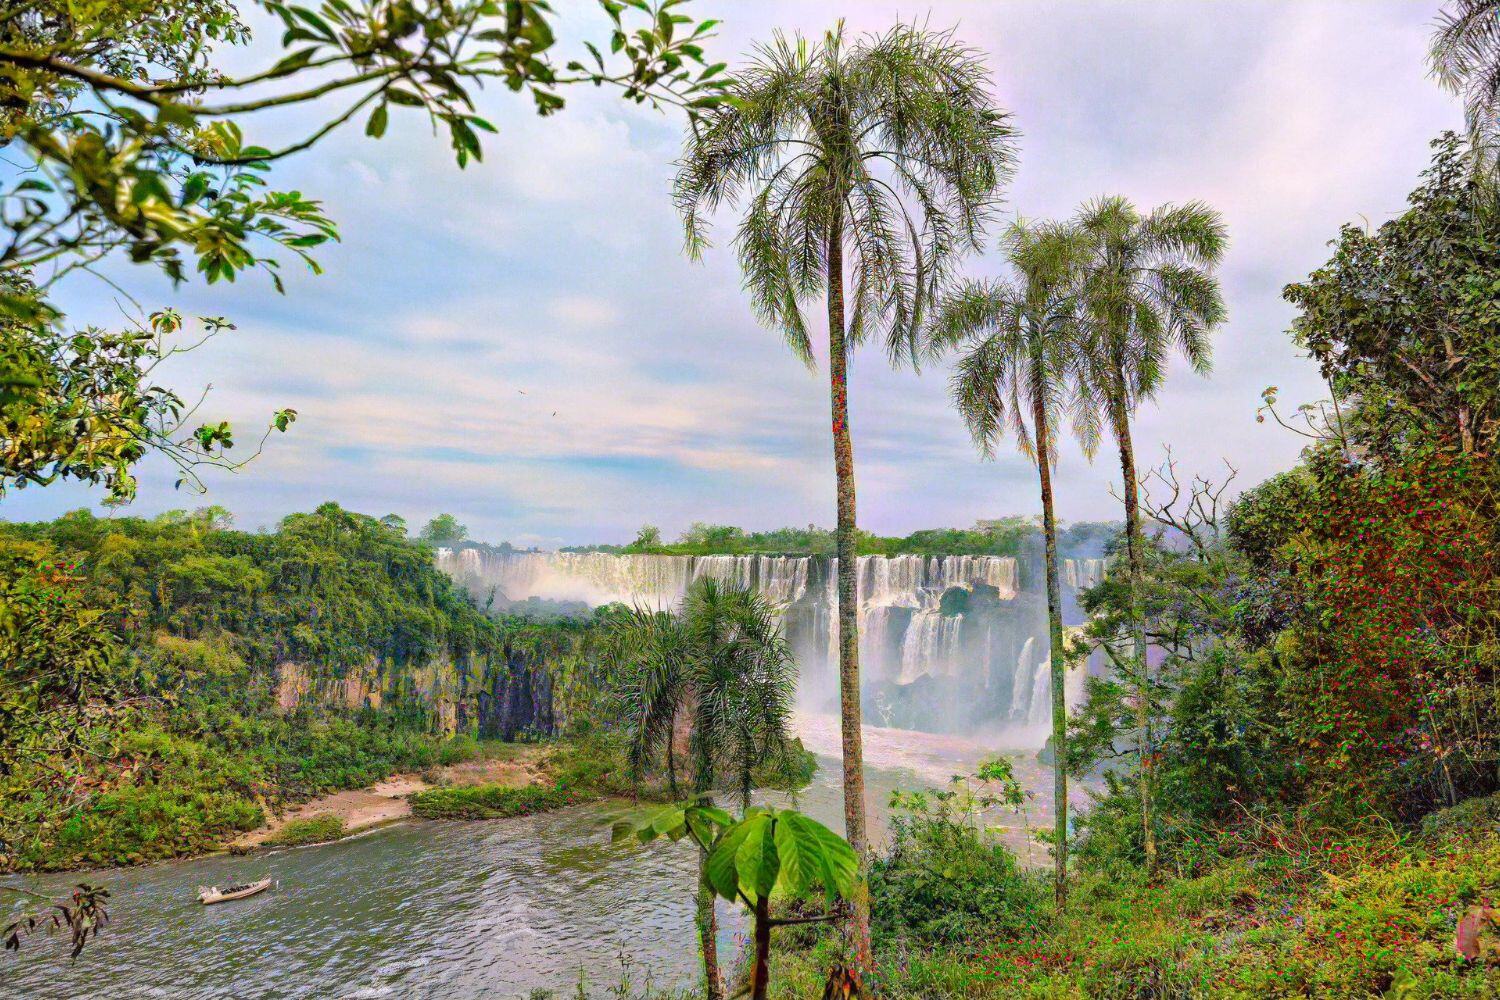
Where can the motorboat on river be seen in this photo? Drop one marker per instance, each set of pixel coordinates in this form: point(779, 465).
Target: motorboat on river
point(213, 894)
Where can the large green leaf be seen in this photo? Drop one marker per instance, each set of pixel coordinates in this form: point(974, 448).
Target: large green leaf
point(812, 854)
point(756, 859)
point(743, 863)
point(723, 873)
point(646, 825)
point(704, 821)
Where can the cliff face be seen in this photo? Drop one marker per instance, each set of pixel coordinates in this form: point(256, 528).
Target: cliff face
point(517, 700)
point(498, 700)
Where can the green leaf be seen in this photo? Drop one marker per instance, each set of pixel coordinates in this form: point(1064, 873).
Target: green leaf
point(755, 857)
point(812, 854)
point(296, 60)
point(398, 96)
point(723, 873)
point(375, 127)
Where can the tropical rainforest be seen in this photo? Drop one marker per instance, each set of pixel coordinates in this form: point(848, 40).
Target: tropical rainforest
point(1288, 733)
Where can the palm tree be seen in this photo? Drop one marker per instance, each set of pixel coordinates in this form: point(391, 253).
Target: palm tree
point(720, 662)
point(1149, 289)
point(1465, 58)
point(864, 172)
point(1021, 366)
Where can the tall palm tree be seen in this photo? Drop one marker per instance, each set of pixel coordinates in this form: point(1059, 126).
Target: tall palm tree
point(1465, 58)
point(864, 171)
point(1021, 366)
point(719, 662)
point(1149, 291)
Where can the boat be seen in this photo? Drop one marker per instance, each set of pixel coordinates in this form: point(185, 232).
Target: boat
point(213, 894)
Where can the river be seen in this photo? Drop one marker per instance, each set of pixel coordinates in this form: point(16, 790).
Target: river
point(443, 909)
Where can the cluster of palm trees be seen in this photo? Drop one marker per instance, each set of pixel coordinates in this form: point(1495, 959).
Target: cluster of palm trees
point(718, 670)
point(864, 172)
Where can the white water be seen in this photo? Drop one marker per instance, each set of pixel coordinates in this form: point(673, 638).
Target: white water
point(948, 643)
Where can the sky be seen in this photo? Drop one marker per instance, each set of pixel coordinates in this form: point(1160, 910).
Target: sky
point(522, 343)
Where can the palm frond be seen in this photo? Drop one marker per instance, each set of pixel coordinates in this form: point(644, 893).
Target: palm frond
point(891, 145)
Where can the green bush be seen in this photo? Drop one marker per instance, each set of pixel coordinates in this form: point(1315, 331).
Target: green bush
point(592, 765)
point(490, 801)
point(790, 772)
point(1479, 816)
point(458, 749)
point(1365, 919)
point(312, 830)
point(946, 880)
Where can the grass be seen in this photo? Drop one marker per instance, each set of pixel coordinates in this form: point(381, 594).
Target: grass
point(1378, 920)
point(313, 830)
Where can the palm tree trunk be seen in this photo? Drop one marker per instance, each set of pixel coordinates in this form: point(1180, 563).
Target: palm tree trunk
point(672, 755)
point(707, 920)
point(1135, 551)
point(1058, 660)
point(848, 567)
point(760, 976)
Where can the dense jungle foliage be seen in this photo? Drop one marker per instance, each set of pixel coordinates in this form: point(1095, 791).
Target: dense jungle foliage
point(141, 716)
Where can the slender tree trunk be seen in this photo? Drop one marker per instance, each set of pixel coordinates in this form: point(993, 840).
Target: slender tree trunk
point(708, 932)
point(848, 569)
point(1057, 657)
point(760, 976)
point(672, 756)
point(1135, 551)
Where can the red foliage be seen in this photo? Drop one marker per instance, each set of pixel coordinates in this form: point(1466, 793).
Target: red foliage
point(1402, 567)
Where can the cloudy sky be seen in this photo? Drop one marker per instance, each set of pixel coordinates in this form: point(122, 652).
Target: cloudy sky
point(523, 344)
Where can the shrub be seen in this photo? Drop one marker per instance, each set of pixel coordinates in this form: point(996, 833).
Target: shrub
point(1479, 816)
point(790, 771)
point(948, 881)
point(312, 830)
point(489, 801)
point(458, 749)
point(591, 765)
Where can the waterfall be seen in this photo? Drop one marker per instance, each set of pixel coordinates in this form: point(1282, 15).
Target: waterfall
point(963, 624)
point(930, 646)
point(1020, 691)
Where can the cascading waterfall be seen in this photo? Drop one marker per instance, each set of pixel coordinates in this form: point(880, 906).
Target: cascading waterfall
point(946, 642)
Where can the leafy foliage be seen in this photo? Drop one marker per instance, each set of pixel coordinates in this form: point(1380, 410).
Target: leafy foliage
point(141, 717)
point(945, 878)
point(1465, 58)
point(1405, 321)
point(891, 145)
point(129, 141)
point(85, 406)
point(720, 665)
point(766, 853)
point(83, 912)
point(312, 830)
point(1008, 536)
point(137, 135)
point(444, 530)
point(490, 801)
point(1352, 917)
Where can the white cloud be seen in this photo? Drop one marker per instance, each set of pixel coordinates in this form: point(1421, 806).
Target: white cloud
point(465, 308)
point(585, 311)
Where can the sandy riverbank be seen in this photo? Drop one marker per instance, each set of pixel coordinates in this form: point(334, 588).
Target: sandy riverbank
point(388, 801)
